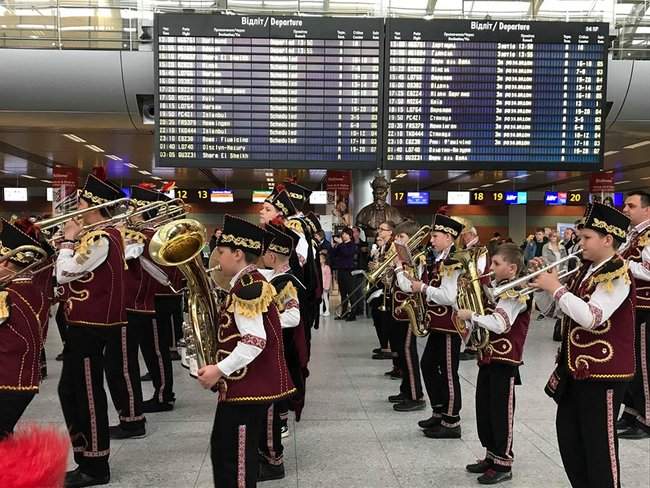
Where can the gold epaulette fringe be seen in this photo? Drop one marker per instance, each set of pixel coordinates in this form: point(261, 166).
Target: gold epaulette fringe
point(514, 294)
point(608, 278)
point(133, 237)
point(448, 269)
point(256, 306)
point(4, 305)
point(88, 239)
point(295, 226)
point(287, 293)
point(644, 239)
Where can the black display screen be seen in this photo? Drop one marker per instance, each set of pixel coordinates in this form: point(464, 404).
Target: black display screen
point(265, 91)
point(499, 94)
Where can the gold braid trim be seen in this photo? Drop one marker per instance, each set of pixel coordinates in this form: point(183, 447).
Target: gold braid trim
point(448, 269)
point(256, 306)
point(294, 225)
point(133, 236)
point(608, 278)
point(287, 293)
point(4, 305)
point(513, 294)
point(89, 239)
point(644, 239)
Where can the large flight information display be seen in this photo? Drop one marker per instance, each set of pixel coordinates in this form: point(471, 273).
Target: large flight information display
point(265, 91)
point(500, 94)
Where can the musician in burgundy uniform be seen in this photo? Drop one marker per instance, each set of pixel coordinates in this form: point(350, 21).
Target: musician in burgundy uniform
point(635, 422)
point(288, 289)
point(251, 371)
point(499, 362)
point(91, 268)
point(410, 396)
point(24, 306)
point(441, 354)
point(596, 359)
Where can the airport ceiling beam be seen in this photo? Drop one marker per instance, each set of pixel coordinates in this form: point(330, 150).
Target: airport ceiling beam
point(535, 5)
point(633, 21)
point(431, 6)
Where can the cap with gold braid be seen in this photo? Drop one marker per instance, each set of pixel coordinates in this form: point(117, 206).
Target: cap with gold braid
point(447, 225)
point(279, 198)
point(11, 237)
point(606, 219)
point(299, 194)
point(97, 191)
point(241, 234)
point(280, 243)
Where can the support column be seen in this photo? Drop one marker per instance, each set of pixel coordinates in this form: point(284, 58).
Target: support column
point(517, 222)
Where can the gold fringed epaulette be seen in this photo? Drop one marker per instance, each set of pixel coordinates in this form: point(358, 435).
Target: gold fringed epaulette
point(287, 293)
point(644, 239)
point(448, 267)
point(253, 299)
point(514, 294)
point(295, 226)
point(131, 236)
point(608, 278)
point(4, 305)
point(87, 240)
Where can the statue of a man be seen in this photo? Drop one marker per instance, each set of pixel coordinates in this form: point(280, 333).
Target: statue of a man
point(371, 216)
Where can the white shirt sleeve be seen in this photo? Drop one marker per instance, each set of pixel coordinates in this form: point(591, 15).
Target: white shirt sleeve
point(250, 345)
point(71, 266)
point(641, 271)
point(302, 249)
point(132, 251)
point(504, 316)
point(403, 282)
point(598, 309)
point(446, 293)
point(290, 317)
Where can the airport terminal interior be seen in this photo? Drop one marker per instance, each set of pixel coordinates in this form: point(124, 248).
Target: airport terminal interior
point(324, 243)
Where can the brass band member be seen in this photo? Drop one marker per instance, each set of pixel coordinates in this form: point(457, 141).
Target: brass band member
point(24, 306)
point(379, 299)
point(251, 371)
point(596, 359)
point(636, 249)
point(498, 368)
point(441, 354)
point(410, 396)
point(91, 268)
point(470, 240)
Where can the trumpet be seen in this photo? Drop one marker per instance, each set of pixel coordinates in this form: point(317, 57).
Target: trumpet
point(40, 256)
point(524, 291)
point(58, 220)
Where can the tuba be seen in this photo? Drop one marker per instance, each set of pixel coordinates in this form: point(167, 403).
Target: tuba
point(471, 294)
point(180, 243)
point(414, 306)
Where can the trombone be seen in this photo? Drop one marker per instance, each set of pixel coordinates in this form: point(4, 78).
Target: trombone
point(40, 256)
point(525, 291)
point(52, 222)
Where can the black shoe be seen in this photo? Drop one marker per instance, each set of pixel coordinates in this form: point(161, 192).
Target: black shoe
point(340, 317)
point(623, 424)
point(376, 350)
point(350, 318)
point(268, 471)
point(467, 355)
point(634, 432)
point(480, 466)
point(382, 355)
point(443, 432)
point(59, 357)
point(430, 423)
point(492, 477)
point(145, 377)
point(174, 355)
point(77, 479)
point(396, 375)
point(117, 432)
point(153, 405)
point(410, 406)
point(43, 373)
point(397, 398)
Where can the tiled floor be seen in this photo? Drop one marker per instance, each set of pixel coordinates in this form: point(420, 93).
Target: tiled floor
point(349, 435)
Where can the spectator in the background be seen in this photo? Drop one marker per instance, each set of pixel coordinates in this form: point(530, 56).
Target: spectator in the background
point(534, 245)
point(470, 238)
point(323, 243)
point(213, 240)
point(553, 251)
point(326, 272)
point(361, 260)
point(343, 255)
point(496, 237)
point(547, 232)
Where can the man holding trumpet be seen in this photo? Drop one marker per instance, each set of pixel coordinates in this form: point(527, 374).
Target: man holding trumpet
point(596, 358)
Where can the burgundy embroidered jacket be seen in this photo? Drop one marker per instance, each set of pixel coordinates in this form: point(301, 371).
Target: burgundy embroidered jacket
point(97, 299)
point(438, 318)
point(606, 352)
point(266, 379)
point(633, 253)
point(508, 347)
point(141, 287)
point(22, 335)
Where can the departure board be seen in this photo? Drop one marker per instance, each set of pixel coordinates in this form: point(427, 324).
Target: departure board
point(497, 94)
point(265, 91)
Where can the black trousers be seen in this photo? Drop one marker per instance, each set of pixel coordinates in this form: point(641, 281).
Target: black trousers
point(270, 445)
point(169, 312)
point(233, 444)
point(61, 324)
point(495, 412)
point(155, 339)
point(83, 398)
point(12, 406)
point(395, 338)
point(586, 433)
point(440, 373)
point(380, 322)
point(346, 285)
point(411, 385)
point(357, 281)
point(123, 374)
point(637, 403)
